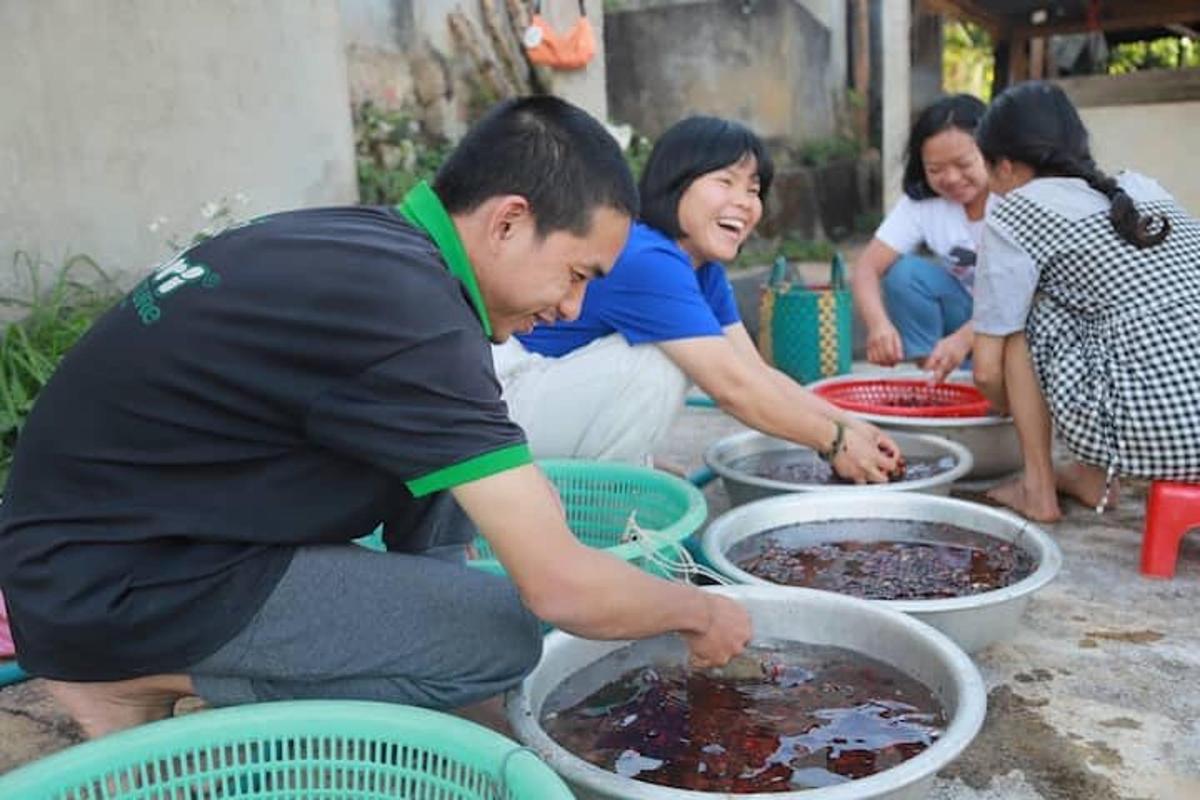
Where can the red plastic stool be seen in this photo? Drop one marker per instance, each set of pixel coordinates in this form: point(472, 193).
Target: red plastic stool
point(1172, 509)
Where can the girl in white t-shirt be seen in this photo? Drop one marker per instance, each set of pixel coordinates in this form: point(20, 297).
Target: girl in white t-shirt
point(915, 308)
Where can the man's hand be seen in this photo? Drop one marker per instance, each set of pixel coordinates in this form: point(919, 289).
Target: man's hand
point(883, 345)
point(948, 354)
point(728, 632)
point(866, 457)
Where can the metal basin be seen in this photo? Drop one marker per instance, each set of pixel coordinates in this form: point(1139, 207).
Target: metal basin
point(973, 621)
point(744, 487)
point(803, 615)
point(992, 440)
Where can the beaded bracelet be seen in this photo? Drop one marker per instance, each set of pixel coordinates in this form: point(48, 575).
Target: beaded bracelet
point(838, 439)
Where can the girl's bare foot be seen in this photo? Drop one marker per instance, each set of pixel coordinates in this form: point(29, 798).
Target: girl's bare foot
point(1036, 503)
point(1086, 484)
point(101, 708)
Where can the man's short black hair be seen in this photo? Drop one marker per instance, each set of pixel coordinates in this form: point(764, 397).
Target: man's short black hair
point(690, 148)
point(546, 150)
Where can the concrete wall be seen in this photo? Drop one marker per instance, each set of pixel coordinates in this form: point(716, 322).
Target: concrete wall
point(777, 65)
point(1145, 121)
point(401, 55)
point(116, 113)
point(1157, 139)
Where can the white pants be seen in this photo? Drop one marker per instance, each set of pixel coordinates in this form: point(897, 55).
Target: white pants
point(607, 401)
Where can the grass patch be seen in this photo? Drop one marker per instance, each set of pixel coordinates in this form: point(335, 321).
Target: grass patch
point(54, 317)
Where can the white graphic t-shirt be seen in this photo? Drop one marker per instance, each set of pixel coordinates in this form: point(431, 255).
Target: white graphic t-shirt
point(942, 226)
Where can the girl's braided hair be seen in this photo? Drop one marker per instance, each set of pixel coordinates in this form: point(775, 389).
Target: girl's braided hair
point(1035, 123)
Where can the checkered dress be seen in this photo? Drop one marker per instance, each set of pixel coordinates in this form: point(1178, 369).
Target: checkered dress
point(1114, 333)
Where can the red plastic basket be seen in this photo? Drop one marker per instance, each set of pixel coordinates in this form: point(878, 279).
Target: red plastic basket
point(906, 398)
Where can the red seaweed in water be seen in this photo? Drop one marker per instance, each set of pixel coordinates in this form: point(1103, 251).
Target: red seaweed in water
point(820, 716)
point(946, 561)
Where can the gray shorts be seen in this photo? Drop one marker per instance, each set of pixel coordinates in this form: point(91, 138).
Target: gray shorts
point(345, 622)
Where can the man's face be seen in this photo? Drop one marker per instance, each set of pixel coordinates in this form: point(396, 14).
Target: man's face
point(541, 280)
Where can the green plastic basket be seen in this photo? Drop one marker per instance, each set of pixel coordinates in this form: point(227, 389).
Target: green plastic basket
point(311, 749)
point(599, 496)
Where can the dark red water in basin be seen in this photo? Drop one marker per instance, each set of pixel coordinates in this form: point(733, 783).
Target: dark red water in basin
point(819, 716)
point(803, 466)
point(946, 560)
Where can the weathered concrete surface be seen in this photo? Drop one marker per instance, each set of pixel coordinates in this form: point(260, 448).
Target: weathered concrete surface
point(1097, 698)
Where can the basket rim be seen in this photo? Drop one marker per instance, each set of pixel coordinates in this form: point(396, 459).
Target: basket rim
point(482, 747)
point(691, 520)
point(842, 394)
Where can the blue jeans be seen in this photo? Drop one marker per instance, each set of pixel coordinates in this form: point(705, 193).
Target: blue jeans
point(925, 303)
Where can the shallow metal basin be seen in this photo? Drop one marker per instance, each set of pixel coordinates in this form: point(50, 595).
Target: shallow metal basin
point(744, 487)
point(973, 622)
point(992, 440)
point(801, 615)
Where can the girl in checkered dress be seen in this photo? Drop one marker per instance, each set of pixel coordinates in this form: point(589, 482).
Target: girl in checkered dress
point(1087, 310)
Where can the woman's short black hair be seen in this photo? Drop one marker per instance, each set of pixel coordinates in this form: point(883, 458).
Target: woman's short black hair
point(690, 148)
point(962, 111)
point(1034, 123)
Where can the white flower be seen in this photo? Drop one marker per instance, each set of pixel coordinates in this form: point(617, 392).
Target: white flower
point(209, 210)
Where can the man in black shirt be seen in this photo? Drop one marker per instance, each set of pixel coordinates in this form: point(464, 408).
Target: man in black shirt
point(183, 499)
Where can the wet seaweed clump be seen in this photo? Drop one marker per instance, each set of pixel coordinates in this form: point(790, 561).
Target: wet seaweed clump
point(807, 717)
point(946, 562)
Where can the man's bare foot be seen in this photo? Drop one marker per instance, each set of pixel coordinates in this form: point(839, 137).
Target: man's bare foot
point(489, 713)
point(1040, 505)
point(673, 467)
point(102, 708)
point(1086, 484)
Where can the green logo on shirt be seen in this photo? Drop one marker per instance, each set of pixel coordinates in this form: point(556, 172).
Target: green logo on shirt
point(165, 280)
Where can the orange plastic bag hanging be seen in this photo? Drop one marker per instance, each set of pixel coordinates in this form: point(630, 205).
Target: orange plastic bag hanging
point(572, 50)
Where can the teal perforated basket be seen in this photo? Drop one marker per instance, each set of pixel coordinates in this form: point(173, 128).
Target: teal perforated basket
point(312, 749)
point(599, 496)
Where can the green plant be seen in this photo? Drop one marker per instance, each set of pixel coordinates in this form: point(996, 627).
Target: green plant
point(54, 319)
point(219, 215)
point(822, 151)
point(758, 251)
point(393, 153)
point(968, 59)
point(637, 153)
point(1170, 52)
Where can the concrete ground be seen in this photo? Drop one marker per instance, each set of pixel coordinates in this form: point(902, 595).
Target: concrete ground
point(1097, 698)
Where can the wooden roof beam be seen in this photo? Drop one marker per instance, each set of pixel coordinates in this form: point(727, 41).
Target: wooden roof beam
point(971, 11)
point(1116, 17)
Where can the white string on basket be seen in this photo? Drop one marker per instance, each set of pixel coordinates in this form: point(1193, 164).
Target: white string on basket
point(669, 556)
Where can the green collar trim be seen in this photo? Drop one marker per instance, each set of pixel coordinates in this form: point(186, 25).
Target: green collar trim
point(424, 209)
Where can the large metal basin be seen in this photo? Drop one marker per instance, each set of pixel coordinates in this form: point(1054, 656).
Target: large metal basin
point(992, 440)
point(744, 487)
point(821, 618)
point(973, 622)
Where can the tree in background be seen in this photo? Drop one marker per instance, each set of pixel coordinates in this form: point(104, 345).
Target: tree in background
point(1172, 52)
point(967, 59)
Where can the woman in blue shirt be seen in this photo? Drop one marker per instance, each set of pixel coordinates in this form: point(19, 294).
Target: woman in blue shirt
point(608, 384)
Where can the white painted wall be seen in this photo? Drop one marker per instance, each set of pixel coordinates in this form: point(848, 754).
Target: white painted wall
point(115, 113)
point(1157, 139)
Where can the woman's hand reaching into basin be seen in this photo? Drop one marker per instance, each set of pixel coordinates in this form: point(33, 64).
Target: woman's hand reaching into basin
point(867, 455)
point(727, 634)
